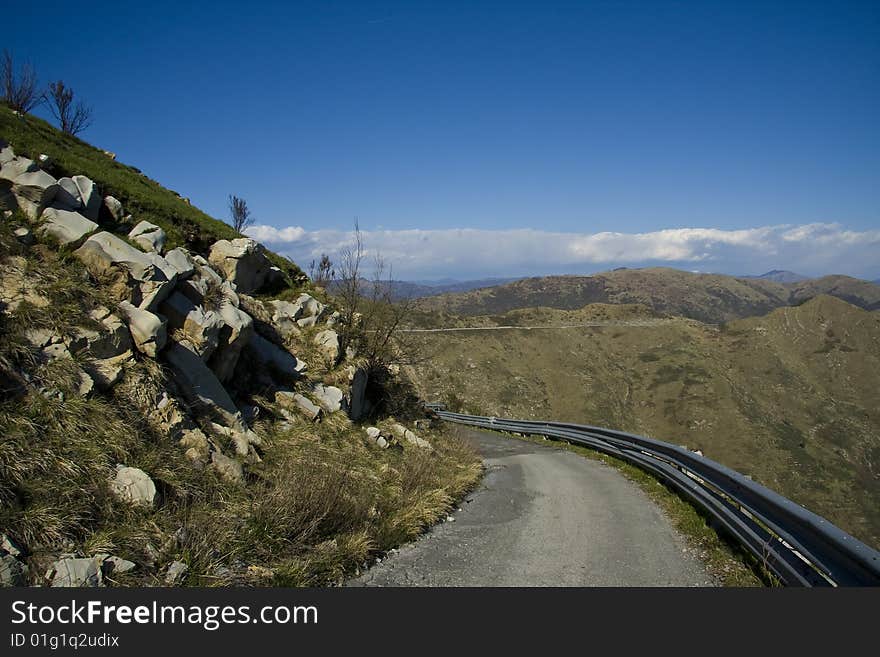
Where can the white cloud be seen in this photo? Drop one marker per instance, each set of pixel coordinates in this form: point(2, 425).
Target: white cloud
point(812, 249)
point(272, 235)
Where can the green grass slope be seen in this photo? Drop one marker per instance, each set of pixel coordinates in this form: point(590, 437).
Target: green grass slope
point(144, 198)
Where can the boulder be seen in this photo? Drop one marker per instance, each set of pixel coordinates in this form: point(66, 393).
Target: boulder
point(229, 469)
point(67, 195)
point(110, 340)
point(197, 446)
point(24, 236)
point(236, 332)
point(330, 398)
point(134, 486)
point(169, 416)
point(6, 153)
point(112, 209)
point(107, 372)
point(241, 261)
point(328, 343)
point(305, 406)
point(199, 327)
point(275, 357)
point(239, 436)
point(147, 329)
point(73, 572)
point(148, 278)
point(306, 322)
point(413, 439)
point(12, 571)
point(15, 166)
point(309, 306)
point(89, 196)
point(149, 237)
point(7, 545)
point(357, 403)
point(284, 316)
point(116, 566)
point(34, 191)
point(200, 385)
point(176, 573)
point(66, 227)
point(182, 263)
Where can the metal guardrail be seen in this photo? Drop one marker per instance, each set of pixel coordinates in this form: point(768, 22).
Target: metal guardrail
point(798, 546)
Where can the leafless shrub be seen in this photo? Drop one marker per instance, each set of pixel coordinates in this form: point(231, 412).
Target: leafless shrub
point(322, 272)
point(21, 92)
point(73, 117)
point(240, 213)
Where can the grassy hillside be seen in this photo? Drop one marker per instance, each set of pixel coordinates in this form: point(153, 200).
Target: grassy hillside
point(144, 198)
point(789, 398)
point(711, 298)
point(309, 503)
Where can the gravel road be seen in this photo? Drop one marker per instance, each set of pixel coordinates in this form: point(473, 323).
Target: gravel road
point(543, 516)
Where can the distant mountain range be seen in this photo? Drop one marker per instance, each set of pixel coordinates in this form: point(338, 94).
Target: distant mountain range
point(781, 276)
point(712, 298)
point(430, 288)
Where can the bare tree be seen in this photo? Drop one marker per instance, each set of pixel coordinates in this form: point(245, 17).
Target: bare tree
point(371, 317)
point(20, 94)
point(240, 214)
point(322, 272)
point(72, 117)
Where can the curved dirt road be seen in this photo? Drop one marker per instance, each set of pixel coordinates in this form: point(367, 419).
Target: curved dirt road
point(543, 516)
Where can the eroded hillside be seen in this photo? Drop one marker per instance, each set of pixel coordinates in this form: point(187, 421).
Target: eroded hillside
point(789, 398)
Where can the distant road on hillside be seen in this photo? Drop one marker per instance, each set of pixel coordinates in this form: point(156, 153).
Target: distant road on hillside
point(621, 322)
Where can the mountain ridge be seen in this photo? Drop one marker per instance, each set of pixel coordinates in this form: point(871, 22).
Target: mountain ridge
point(710, 298)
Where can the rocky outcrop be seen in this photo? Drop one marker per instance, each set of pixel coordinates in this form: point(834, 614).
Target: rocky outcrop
point(199, 327)
point(328, 344)
point(281, 361)
point(182, 262)
point(358, 407)
point(145, 279)
point(330, 398)
point(147, 329)
point(110, 340)
point(200, 385)
point(89, 197)
point(112, 209)
point(67, 196)
point(34, 191)
point(148, 236)
point(235, 334)
point(242, 262)
point(294, 400)
point(66, 227)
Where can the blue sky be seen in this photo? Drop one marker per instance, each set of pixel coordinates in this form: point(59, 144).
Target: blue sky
point(534, 126)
